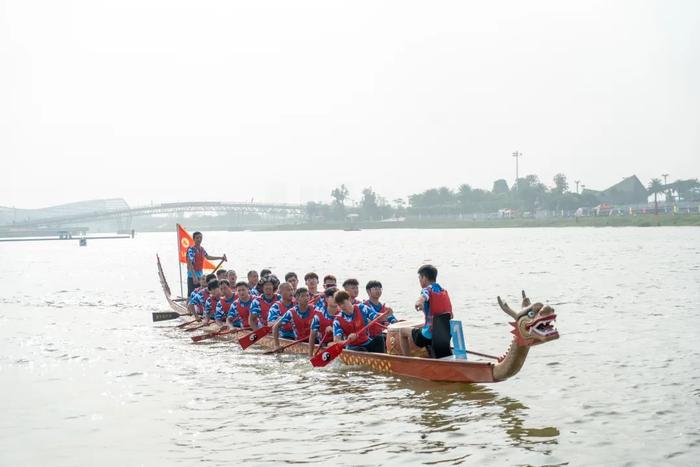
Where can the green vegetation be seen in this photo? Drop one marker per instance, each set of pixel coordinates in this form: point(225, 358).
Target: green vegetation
point(523, 199)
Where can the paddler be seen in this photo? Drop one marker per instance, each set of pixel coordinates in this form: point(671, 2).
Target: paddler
point(225, 302)
point(258, 316)
point(195, 261)
point(198, 297)
point(214, 292)
point(329, 281)
point(293, 280)
point(436, 306)
point(253, 279)
point(300, 317)
point(239, 314)
point(352, 287)
point(232, 277)
point(374, 292)
point(263, 274)
point(311, 281)
point(281, 307)
point(350, 321)
point(322, 324)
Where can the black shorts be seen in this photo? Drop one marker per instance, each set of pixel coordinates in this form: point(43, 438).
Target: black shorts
point(376, 345)
point(190, 286)
point(439, 345)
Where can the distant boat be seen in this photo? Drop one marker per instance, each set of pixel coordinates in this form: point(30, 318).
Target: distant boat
point(352, 229)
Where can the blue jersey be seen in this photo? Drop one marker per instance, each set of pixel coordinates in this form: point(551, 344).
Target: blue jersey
point(191, 254)
point(377, 307)
point(316, 323)
point(320, 304)
point(425, 293)
point(220, 312)
point(270, 302)
point(210, 307)
point(368, 314)
point(287, 318)
point(196, 298)
point(277, 310)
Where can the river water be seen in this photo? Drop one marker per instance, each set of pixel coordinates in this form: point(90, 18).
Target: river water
point(87, 379)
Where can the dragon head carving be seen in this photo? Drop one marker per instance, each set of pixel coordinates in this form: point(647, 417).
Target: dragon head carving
point(534, 324)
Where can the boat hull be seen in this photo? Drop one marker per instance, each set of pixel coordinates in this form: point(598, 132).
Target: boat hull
point(447, 370)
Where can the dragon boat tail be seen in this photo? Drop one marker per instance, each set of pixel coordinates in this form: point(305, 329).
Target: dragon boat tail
point(532, 325)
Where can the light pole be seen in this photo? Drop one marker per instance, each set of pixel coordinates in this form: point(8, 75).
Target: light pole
point(577, 182)
point(665, 176)
point(517, 156)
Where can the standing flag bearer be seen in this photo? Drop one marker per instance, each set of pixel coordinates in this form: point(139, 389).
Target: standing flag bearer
point(195, 256)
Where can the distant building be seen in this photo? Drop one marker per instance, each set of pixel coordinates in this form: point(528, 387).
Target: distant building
point(628, 191)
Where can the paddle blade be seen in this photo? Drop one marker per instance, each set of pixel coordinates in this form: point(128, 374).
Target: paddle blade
point(326, 356)
point(165, 315)
point(206, 336)
point(250, 339)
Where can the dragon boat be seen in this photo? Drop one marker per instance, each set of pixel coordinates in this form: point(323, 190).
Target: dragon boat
point(532, 325)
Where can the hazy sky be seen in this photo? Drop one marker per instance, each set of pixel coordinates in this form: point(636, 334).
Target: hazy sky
point(283, 100)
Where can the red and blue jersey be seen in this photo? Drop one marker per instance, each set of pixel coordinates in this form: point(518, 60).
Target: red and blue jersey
point(263, 312)
point(300, 320)
point(242, 310)
point(223, 307)
point(378, 308)
point(437, 302)
point(344, 324)
point(322, 321)
point(196, 255)
point(210, 307)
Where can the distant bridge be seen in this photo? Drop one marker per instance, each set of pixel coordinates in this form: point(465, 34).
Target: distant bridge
point(164, 208)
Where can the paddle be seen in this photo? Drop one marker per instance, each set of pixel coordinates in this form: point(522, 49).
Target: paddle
point(182, 325)
point(217, 266)
point(166, 315)
point(198, 327)
point(216, 334)
point(332, 352)
point(286, 346)
point(320, 346)
point(250, 339)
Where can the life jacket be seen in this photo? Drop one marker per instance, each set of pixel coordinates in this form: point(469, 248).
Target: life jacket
point(226, 304)
point(212, 307)
point(244, 311)
point(438, 304)
point(324, 324)
point(349, 327)
point(302, 326)
point(198, 258)
point(265, 307)
point(377, 328)
point(288, 327)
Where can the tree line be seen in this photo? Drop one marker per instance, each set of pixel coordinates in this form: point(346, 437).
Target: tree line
point(526, 195)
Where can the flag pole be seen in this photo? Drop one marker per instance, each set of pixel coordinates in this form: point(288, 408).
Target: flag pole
point(179, 263)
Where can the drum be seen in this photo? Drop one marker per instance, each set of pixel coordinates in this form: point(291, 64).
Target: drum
point(402, 330)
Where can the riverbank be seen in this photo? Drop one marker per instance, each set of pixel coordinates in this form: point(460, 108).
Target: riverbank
point(602, 221)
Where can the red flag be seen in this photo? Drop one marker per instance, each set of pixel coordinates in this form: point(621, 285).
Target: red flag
point(184, 240)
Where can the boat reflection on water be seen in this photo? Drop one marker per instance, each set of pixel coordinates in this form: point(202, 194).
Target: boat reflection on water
point(443, 414)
